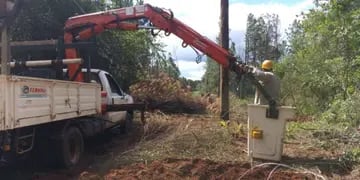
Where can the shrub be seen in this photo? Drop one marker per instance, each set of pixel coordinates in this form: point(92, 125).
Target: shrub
point(344, 111)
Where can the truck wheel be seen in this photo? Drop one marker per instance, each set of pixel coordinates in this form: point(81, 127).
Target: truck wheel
point(72, 147)
point(127, 125)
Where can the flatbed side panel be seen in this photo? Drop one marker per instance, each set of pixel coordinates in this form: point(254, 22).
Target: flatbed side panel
point(35, 101)
point(65, 98)
point(32, 99)
point(87, 98)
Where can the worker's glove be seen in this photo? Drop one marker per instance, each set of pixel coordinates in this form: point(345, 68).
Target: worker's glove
point(243, 68)
point(249, 69)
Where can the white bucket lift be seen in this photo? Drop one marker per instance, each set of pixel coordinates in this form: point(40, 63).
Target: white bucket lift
point(265, 135)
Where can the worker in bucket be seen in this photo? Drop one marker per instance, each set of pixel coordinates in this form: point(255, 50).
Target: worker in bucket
point(268, 79)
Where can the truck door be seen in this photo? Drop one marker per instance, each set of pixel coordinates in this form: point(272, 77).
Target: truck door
point(116, 95)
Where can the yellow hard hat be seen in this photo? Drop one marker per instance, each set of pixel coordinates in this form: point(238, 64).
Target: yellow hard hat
point(267, 64)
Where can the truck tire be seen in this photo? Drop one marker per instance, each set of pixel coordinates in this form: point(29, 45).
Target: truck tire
point(72, 147)
point(127, 126)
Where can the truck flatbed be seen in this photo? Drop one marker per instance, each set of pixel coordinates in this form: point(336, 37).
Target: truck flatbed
point(28, 101)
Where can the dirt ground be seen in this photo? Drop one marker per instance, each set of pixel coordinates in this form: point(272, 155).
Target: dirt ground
point(182, 146)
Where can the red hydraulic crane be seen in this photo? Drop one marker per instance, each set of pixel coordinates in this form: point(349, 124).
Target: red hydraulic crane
point(85, 26)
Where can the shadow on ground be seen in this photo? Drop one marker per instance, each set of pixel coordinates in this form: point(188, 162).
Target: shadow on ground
point(95, 148)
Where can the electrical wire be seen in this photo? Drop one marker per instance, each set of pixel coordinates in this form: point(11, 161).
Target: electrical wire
point(281, 165)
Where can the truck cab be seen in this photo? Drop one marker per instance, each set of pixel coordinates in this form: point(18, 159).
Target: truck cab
point(111, 94)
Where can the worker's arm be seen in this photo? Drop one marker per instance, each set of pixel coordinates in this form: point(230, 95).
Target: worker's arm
point(262, 75)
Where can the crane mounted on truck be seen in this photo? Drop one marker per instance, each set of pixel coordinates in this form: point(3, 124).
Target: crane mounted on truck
point(85, 26)
point(72, 110)
point(41, 111)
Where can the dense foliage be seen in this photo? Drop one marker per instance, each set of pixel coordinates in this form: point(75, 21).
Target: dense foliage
point(321, 72)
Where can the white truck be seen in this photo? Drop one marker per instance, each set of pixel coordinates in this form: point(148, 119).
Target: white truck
point(57, 114)
point(52, 114)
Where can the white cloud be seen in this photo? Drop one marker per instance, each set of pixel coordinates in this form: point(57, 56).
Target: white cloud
point(238, 12)
point(203, 17)
point(191, 70)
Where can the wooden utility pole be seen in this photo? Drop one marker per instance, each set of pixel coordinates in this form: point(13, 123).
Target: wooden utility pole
point(224, 72)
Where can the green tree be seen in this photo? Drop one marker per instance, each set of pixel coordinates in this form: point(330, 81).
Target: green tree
point(210, 80)
point(250, 44)
point(262, 38)
point(323, 56)
point(171, 68)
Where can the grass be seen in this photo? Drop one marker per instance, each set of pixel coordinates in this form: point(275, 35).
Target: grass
point(188, 137)
point(323, 135)
point(201, 137)
point(196, 93)
point(333, 148)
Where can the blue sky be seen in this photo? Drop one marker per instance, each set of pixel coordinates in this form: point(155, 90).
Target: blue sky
point(203, 17)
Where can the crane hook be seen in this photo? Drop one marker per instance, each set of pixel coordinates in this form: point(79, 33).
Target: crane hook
point(153, 33)
point(184, 44)
point(171, 15)
point(167, 33)
point(198, 58)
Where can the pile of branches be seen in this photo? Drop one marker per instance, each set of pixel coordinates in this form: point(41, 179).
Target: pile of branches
point(212, 103)
point(167, 94)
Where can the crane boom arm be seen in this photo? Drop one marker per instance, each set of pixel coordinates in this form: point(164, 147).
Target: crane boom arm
point(85, 26)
